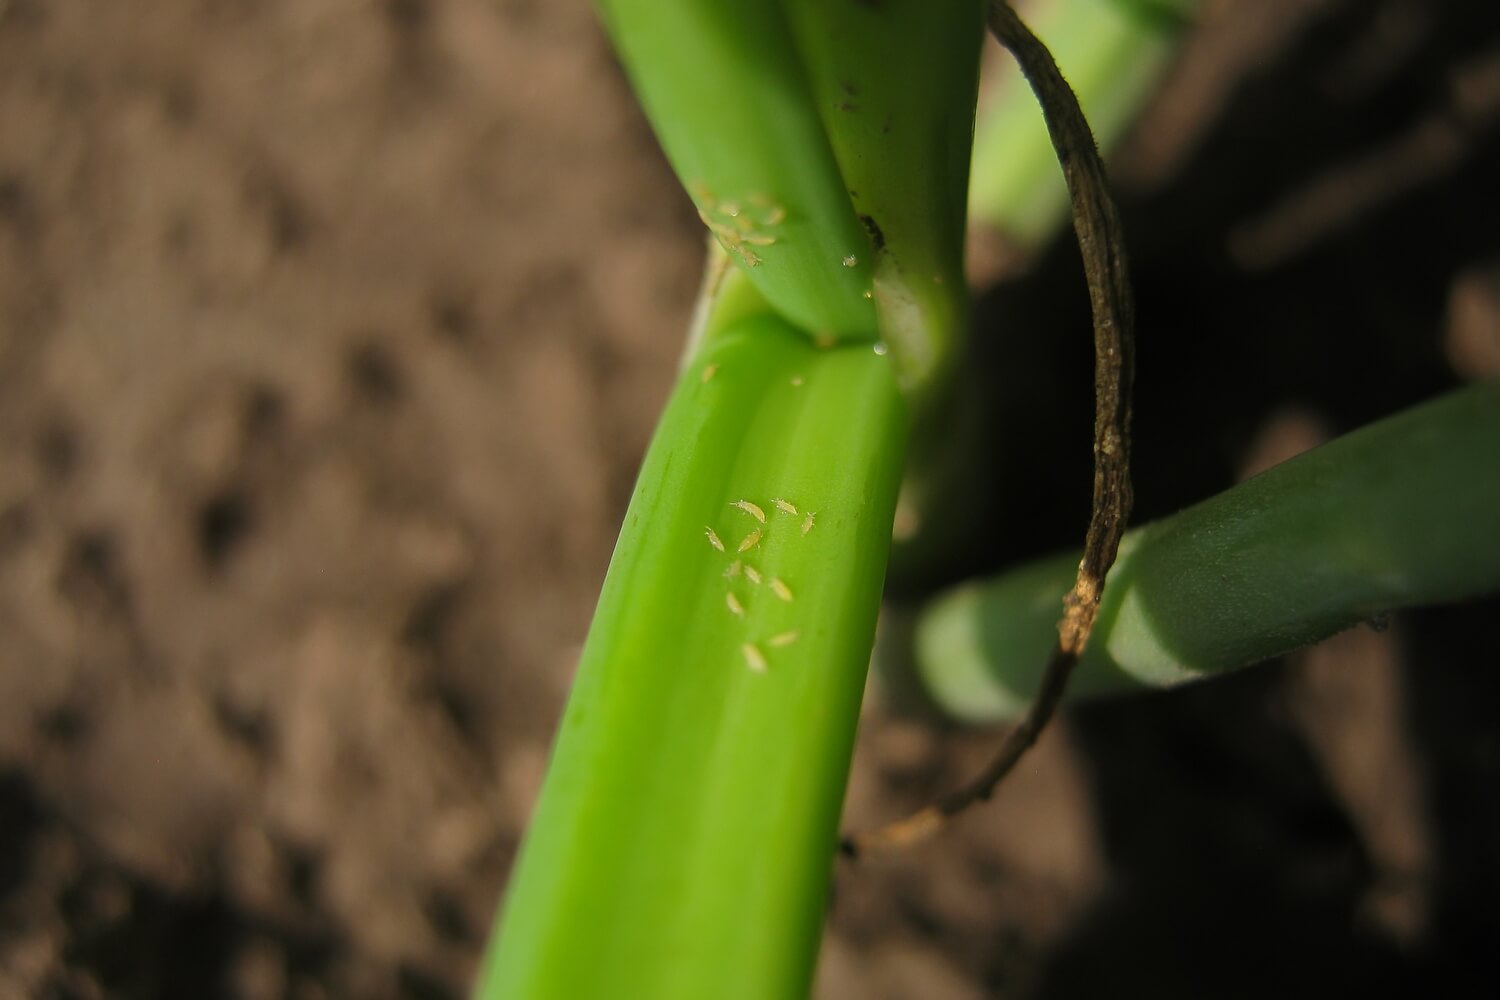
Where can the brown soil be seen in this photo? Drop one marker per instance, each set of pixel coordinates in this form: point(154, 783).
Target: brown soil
point(331, 334)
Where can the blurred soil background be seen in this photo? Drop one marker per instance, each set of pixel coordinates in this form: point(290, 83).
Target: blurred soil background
point(331, 335)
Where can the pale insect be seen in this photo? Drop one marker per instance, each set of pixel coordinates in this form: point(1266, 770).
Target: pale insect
point(752, 509)
point(713, 538)
point(753, 575)
point(784, 639)
point(751, 541)
point(754, 658)
point(733, 570)
point(734, 605)
point(780, 589)
point(785, 507)
point(807, 525)
point(709, 371)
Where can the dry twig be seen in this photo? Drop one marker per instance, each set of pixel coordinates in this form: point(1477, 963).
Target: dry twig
point(1101, 241)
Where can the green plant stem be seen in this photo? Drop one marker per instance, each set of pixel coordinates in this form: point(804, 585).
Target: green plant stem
point(682, 844)
point(895, 86)
point(1399, 513)
point(1113, 54)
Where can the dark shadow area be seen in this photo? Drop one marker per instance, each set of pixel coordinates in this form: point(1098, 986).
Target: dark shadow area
point(1234, 870)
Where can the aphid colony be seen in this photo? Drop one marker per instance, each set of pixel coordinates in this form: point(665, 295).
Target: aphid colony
point(755, 657)
point(741, 226)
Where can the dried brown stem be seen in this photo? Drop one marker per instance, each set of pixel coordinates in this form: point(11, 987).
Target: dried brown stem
point(1101, 241)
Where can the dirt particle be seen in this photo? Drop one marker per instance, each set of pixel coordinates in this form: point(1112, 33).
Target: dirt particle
point(179, 103)
point(408, 16)
point(223, 523)
point(91, 576)
point(64, 725)
point(18, 210)
point(24, 14)
point(374, 374)
point(243, 726)
point(446, 914)
point(57, 450)
point(17, 525)
point(303, 867)
point(452, 315)
point(265, 410)
point(419, 984)
point(286, 220)
point(430, 616)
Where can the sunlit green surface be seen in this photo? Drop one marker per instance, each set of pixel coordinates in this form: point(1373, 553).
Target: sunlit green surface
point(1399, 513)
point(683, 841)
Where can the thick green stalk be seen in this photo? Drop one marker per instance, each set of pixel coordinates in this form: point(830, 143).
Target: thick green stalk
point(1399, 513)
point(895, 85)
point(683, 841)
point(1113, 53)
point(733, 109)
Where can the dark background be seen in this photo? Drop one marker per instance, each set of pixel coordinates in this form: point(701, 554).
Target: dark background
point(331, 334)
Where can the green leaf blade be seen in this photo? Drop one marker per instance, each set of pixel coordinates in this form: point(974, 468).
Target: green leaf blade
point(731, 107)
point(1395, 514)
point(682, 844)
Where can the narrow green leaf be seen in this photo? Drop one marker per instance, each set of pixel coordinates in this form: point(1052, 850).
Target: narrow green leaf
point(1399, 513)
point(731, 105)
point(682, 844)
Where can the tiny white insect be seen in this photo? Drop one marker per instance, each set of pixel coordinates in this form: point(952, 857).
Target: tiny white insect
point(851, 261)
point(754, 658)
point(780, 589)
point(734, 605)
point(733, 570)
point(785, 638)
point(785, 507)
point(752, 509)
point(709, 371)
point(750, 542)
point(753, 575)
point(807, 525)
point(713, 539)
